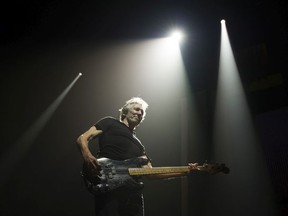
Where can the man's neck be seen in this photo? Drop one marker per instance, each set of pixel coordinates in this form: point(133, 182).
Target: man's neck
point(131, 127)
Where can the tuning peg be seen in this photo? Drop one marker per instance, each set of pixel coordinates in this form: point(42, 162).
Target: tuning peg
point(226, 170)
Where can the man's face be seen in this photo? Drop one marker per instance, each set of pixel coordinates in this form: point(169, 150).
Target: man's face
point(135, 114)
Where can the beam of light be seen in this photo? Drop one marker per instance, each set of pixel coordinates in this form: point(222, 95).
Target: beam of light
point(17, 151)
point(235, 143)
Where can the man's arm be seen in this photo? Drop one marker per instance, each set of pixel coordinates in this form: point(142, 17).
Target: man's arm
point(83, 144)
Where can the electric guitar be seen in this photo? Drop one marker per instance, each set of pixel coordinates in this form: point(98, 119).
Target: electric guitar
point(114, 173)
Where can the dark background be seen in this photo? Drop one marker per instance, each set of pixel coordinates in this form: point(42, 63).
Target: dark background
point(43, 45)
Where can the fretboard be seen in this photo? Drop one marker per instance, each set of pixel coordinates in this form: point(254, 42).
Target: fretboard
point(157, 170)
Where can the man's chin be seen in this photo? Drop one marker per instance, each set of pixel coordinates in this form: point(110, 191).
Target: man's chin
point(134, 122)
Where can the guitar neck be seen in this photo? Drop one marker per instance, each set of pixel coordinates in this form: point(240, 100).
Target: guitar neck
point(157, 170)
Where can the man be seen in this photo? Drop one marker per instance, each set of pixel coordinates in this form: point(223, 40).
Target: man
point(118, 141)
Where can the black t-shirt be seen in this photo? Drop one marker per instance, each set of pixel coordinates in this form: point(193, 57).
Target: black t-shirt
point(117, 141)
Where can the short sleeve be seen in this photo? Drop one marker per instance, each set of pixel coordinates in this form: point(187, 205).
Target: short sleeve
point(104, 123)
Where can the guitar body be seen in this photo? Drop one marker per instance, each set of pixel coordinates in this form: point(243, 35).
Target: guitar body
point(114, 174)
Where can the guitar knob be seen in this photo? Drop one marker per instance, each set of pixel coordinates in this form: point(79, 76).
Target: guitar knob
point(102, 187)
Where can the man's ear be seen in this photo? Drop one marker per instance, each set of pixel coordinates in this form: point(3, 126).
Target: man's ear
point(125, 111)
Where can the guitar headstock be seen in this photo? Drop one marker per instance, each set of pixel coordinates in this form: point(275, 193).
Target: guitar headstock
point(214, 168)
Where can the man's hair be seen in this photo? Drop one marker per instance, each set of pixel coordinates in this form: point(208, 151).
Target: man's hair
point(129, 104)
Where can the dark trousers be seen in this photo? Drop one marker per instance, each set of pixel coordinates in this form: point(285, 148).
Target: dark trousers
point(120, 202)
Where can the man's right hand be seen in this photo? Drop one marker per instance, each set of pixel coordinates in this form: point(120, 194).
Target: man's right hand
point(92, 162)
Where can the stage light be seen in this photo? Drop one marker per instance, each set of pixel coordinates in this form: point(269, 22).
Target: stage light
point(223, 21)
point(80, 74)
point(177, 35)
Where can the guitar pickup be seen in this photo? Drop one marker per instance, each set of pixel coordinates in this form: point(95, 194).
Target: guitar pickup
point(113, 171)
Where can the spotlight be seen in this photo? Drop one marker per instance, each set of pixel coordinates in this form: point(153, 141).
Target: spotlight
point(223, 21)
point(80, 74)
point(177, 35)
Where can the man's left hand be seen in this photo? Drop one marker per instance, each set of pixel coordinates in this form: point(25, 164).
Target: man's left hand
point(192, 166)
